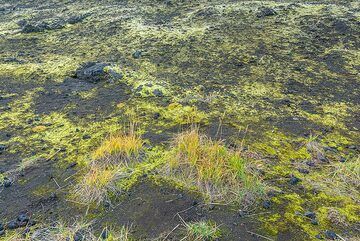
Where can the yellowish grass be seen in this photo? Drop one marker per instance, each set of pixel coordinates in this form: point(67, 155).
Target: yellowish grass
point(219, 172)
point(121, 144)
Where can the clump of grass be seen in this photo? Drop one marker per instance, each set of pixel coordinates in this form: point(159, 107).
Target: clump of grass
point(109, 165)
point(201, 231)
point(215, 170)
point(124, 145)
point(77, 231)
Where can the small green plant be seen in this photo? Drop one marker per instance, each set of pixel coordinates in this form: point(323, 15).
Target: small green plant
point(202, 231)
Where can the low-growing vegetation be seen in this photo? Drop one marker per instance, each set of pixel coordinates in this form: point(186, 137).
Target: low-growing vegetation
point(220, 173)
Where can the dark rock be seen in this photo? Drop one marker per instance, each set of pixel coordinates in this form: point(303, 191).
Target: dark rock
point(341, 27)
point(352, 147)
point(12, 225)
point(72, 165)
point(158, 93)
point(86, 137)
point(2, 232)
point(294, 180)
point(2, 147)
point(23, 217)
point(330, 235)
point(310, 163)
point(242, 213)
point(79, 236)
point(266, 204)
point(265, 12)
point(7, 182)
point(105, 234)
point(314, 222)
point(318, 236)
point(309, 214)
point(156, 115)
point(342, 159)
point(1, 226)
point(92, 72)
point(76, 19)
point(211, 207)
point(31, 222)
point(137, 54)
point(321, 157)
point(303, 170)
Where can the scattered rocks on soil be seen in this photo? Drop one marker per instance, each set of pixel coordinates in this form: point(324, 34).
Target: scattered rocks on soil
point(309, 214)
point(12, 225)
point(266, 204)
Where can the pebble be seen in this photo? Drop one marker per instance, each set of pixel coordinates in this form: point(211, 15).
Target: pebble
point(309, 214)
point(294, 180)
point(1, 226)
point(318, 236)
point(12, 225)
point(7, 183)
point(158, 93)
point(314, 222)
point(2, 232)
point(310, 163)
point(156, 115)
point(2, 147)
point(303, 170)
point(137, 54)
point(78, 236)
point(266, 204)
point(330, 235)
point(105, 234)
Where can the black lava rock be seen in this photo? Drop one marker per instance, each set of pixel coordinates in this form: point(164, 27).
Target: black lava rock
point(7, 182)
point(2, 232)
point(1, 226)
point(137, 54)
point(342, 159)
point(266, 204)
point(156, 115)
point(105, 234)
point(309, 214)
point(2, 148)
point(314, 222)
point(330, 235)
point(318, 236)
point(310, 163)
point(12, 225)
point(242, 213)
point(265, 12)
point(23, 217)
point(158, 93)
point(294, 180)
point(92, 72)
point(79, 236)
point(303, 170)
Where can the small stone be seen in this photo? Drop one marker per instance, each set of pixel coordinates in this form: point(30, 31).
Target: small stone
point(158, 93)
point(310, 163)
point(156, 115)
point(330, 235)
point(1, 226)
point(86, 137)
point(78, 236)
point(352, 147)
point(265, 12)
point(105, 234)
point(2, 147)
point(303, 170)
point(72, 165)
point(12, 225)
point(314, 222)
point(23, 218)
point(318, 236)
point(294, 180)
point(266, 204)
point(342, 159)
point(211, 207)
point(137, 54)
point(2, 232)
point(242, 213)
point(7, 183)
point(309, 214)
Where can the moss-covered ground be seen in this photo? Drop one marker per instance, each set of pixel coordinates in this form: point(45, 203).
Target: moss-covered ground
point(275, 81)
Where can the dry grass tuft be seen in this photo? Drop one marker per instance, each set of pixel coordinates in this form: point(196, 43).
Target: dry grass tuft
point(108, 166)
point(124, 145)
point(201, 231)
point(217, 171)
